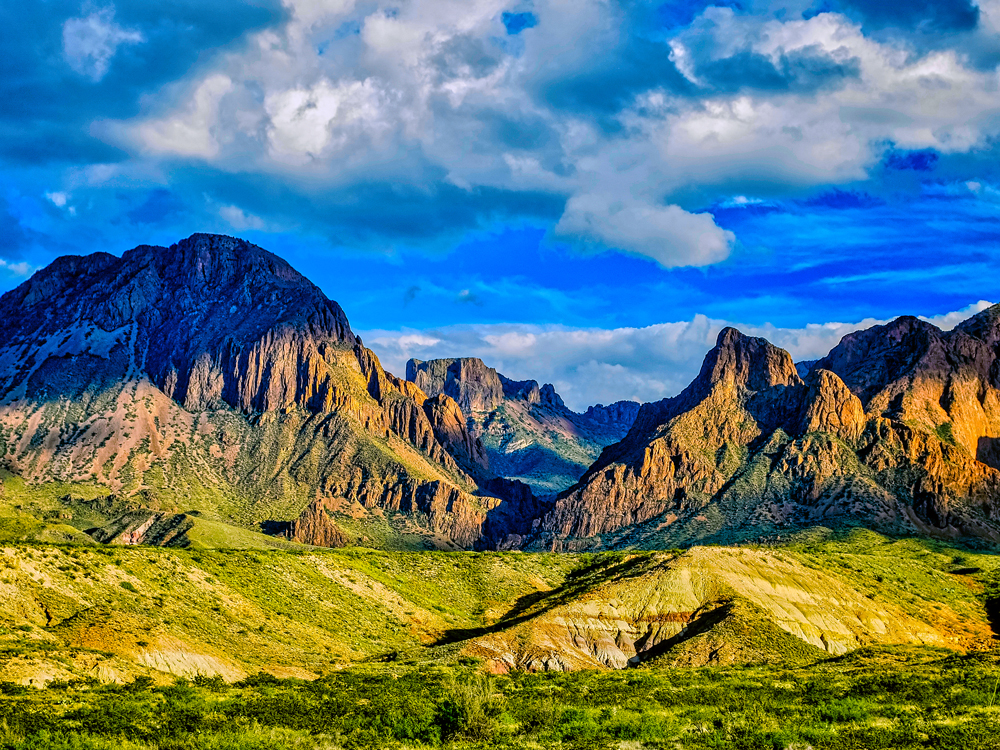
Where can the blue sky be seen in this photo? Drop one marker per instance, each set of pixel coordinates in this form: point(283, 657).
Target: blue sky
point(578, 191)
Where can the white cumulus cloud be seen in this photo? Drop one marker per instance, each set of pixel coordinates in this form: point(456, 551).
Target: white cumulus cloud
point(19, 268)
point(191, 131)
point(91, 41)
point(668, 234)
point(437, 94)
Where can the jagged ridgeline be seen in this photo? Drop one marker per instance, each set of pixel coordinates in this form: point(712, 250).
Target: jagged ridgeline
point(896, 429)
point(527, 432)
point(201, 393)
point(211, 376)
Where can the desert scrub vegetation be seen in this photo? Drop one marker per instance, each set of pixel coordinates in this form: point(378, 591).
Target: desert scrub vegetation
point(899, 698)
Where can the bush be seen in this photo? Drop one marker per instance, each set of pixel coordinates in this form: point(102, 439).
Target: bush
point(12, 688)
point(471, 708)
point(214, 683)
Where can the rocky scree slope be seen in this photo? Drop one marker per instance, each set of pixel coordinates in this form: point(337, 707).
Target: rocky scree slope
point(214, 376)
point(895, 429)
point(526, 430)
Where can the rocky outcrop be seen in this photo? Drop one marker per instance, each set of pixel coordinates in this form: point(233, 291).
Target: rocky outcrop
point(144, 527)
point(452, 431)
point(831, 407)
point(526, 431)
point(888, 430)
point(315, 526)
point(619, 413)
point(473, 385)
point(213, 370)
point(939, 382)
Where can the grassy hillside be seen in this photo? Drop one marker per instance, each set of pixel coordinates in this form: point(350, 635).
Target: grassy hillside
point(114, 613)
point(117, 612)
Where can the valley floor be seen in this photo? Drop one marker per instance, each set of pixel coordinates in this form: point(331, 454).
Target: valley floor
point(899, 698)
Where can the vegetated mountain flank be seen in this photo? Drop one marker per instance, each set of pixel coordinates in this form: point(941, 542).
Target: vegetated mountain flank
point(896, 428)
point(528, 433)
point(113, 613)
point(213, 376)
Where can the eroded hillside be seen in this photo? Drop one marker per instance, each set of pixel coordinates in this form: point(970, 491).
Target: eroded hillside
point(112, 613)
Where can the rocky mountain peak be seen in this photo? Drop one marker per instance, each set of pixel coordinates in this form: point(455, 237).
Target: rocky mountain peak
point(984, 326)
point(476, 387)
point(620, 412)
point(209, 286)
point(527, 431)
point(215, 261)
point(548, 395)
point(211, 320)
point(831, 407)
point(61, 274)
point(214, 364)
point(869, 360)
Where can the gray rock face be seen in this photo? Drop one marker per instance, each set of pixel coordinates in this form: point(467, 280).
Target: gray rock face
point(476, 387)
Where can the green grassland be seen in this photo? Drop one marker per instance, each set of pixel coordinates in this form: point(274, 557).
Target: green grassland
point(894, 699)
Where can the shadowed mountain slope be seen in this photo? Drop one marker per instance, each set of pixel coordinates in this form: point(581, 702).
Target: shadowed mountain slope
point(527, 432)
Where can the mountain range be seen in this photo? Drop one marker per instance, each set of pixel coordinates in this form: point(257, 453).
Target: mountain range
point(527, 432)
point(148, 396)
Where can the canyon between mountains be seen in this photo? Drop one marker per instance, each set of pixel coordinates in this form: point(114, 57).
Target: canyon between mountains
point(185, 430)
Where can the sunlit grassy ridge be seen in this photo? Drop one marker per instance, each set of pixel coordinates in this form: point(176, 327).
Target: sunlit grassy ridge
point(234, 612)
